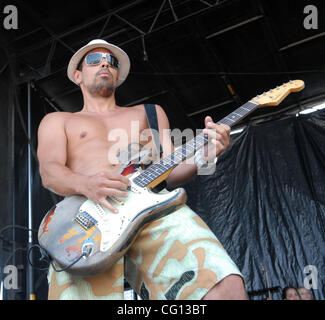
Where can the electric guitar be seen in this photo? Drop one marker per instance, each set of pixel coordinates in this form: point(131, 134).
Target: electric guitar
point(86, 238)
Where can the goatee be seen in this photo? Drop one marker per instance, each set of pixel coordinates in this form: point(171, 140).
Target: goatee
point(102, 86)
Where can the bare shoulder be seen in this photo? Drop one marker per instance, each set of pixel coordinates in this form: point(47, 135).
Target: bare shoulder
point(140, 107)
point(52, 125)
point(55, 118)
point(160, 111)
point(161, 114)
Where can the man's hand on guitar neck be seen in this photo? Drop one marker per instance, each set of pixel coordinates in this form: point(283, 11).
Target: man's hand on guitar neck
point(104, 184)
point(219, 138)
point(184, 172)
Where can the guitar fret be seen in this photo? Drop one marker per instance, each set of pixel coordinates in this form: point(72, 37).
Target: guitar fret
point(170, 160)
point(161, 167)
point(228, 119)
point(149, 174)
point(143, 181)
point(192, 148)
point(167, 161)
point(246, 109)
point(158, 170)
point(200, 141)
point(241, 111)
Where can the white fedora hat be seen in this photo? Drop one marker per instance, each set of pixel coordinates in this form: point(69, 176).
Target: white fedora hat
point(121, 56)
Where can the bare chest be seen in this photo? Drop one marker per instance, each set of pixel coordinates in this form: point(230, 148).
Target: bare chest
point(119, 129)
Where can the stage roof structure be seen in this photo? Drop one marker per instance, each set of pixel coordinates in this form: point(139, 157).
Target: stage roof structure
point(193, 57)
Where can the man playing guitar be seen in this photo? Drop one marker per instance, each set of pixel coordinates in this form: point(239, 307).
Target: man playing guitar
point(174, 257)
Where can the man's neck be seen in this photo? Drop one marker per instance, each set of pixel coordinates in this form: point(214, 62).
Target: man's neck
point(99, 104)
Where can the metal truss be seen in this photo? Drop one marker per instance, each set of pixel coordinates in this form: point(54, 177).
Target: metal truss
point(55, 39)
point(167, 7)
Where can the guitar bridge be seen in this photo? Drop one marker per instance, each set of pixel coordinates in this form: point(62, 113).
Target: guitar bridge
point(85, 220)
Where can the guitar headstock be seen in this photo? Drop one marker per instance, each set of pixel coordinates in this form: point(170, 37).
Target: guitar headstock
point(275, 96)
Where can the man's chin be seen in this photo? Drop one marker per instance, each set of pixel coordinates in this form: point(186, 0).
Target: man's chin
point(106, 93)
point(103, 89)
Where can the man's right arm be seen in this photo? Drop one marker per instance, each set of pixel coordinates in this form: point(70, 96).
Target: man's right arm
point(57, 177)
point(52, 157)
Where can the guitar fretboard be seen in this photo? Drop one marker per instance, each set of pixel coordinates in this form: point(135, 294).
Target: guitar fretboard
point(188, 149)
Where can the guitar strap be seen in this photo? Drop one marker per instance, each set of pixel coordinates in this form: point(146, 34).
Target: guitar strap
point(151, 114)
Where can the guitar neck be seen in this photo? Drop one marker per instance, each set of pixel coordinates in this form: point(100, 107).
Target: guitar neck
point(188, 149)
point(240, 113)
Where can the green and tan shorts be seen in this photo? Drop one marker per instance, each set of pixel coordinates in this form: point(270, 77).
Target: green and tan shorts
point(174, 257)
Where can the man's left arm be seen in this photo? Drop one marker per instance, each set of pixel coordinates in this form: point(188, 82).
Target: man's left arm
point(219, 137)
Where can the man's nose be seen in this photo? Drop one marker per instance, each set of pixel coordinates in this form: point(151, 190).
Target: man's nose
point(104, 63)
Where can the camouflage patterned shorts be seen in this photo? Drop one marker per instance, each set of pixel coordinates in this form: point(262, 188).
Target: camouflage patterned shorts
point(175, 257)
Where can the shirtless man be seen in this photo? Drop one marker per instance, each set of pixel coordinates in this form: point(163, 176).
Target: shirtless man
point(75, 158)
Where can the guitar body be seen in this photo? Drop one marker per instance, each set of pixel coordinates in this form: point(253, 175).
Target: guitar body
point(77, 225)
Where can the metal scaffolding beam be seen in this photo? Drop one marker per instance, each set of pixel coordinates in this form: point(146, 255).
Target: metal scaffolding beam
point(294, 44)
point(106, 18)
point(234, 26)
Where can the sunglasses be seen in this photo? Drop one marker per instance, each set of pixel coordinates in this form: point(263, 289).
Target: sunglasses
point(95, 58)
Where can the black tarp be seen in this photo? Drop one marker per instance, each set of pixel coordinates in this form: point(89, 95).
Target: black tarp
point(266, 203)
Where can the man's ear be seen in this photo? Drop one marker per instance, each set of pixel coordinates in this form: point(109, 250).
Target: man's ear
point(77, 76)
point(117, 76)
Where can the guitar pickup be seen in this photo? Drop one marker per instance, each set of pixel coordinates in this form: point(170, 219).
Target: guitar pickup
point(85, 220)
point(117, 200)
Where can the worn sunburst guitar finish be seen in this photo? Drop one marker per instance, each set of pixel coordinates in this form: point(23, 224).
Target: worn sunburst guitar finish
point(77, 226)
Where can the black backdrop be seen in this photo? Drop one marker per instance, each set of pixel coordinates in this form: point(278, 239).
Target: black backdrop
point(266, 202)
